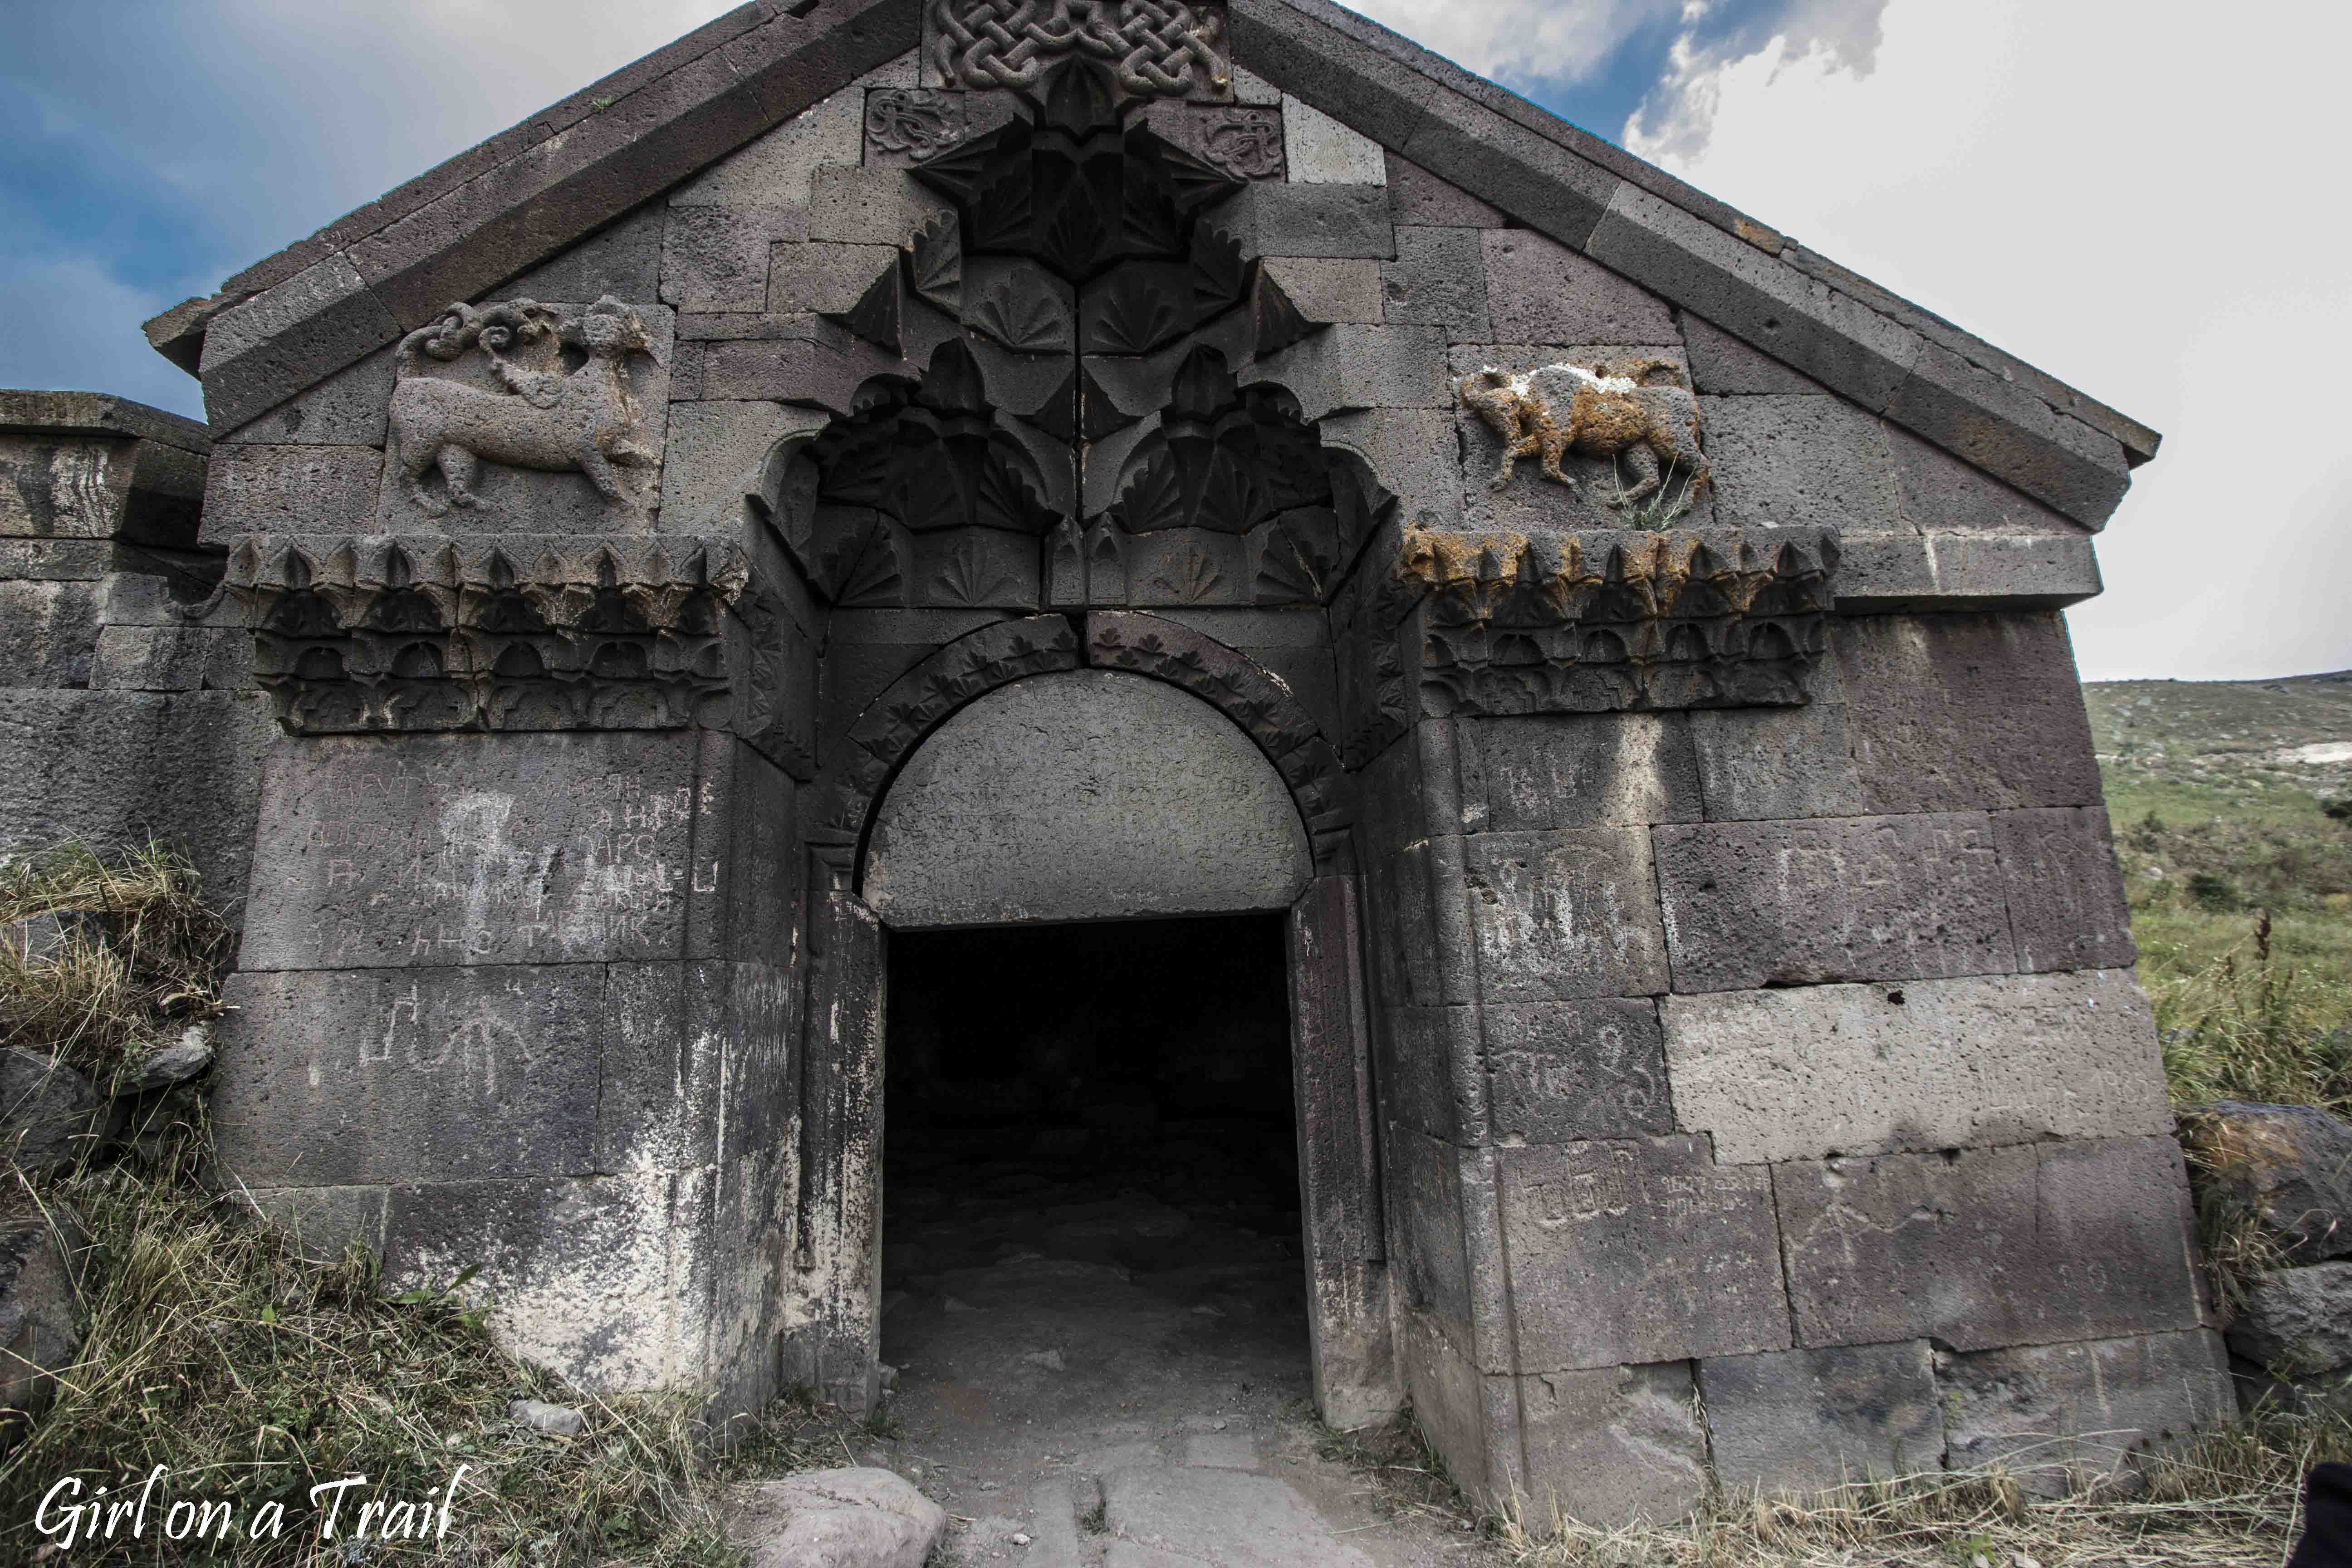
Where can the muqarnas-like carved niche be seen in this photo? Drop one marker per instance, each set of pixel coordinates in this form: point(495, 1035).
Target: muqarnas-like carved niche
point(524, 417)
point(1084, 428)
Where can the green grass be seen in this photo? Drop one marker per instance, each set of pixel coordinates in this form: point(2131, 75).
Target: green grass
point(2239, 877)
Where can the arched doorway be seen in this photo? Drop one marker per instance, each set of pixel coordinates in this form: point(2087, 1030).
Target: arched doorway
point(1109, 819)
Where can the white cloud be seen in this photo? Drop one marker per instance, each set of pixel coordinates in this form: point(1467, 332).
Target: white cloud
point(1519, 41)
point(1679, 116)
point(2137, 207)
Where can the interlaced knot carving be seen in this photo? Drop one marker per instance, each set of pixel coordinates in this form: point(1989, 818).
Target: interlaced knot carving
point(1154, 46)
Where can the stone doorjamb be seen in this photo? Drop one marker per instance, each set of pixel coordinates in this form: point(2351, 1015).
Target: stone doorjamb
point(833, 1336)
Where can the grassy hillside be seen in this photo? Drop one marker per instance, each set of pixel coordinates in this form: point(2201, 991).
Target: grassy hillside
point(2232, 809)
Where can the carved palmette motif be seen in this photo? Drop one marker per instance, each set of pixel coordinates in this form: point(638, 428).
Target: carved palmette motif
point(1154, 48)
point(508, 632)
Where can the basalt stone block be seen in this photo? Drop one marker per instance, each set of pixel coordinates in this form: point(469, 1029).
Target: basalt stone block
point(1615, 1444)
point(1314, 61)
point(1784, 461)
point(287, 337)
point(2030, 1244)
point(1564, 914)
point(48, 632)
point(869, 206)
point(1941, 494)
point(1963, 571)
point(476, 849)
point(270, 487)
point(2000, 428)
point(1412, 452)
point(1961, 712)
point(1722, 364)
point(717, 450)
point(1935, 1064)
point(1864, 897)
point(1802, 1420)
point(780, 166)
point(1270, 218)
point(2062, 1416)
point(1418, 198)
point(606, 1279)
point(326, 1222)
point(1429, 1077)
point(1775, 763)
point(173, 658)
point(337, 1079)
point(1439, 277)
point(1424, 1193)
point(1539, 291)
point(1576, 769)
point(1346, 367)
point(54, 486)
point(1758, 298)
point(2066, 904)
point(1328, 291)
point(1080, 795)
point(821, 275)
point(1563, 1072)
point(624, 259)
point(714, 258)
point(1528, 174)
point(1320, 151)
point(347, 409)
point(781, 370)
point(1640, 1251)
point(109, 768)
point(1454, 1405)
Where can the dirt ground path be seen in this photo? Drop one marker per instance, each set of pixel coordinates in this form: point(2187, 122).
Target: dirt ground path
point(1106, 1380)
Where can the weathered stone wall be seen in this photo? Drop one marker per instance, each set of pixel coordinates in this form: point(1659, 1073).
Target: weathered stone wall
point(529, 1003)
point(1791, 1058)
point(124, 713)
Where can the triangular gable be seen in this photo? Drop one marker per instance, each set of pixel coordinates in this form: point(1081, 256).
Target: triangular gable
point(526, 195)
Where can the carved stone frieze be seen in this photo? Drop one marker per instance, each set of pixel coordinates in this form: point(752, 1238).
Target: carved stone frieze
point(521, 632)
point(486, 395)
point(1578, 623)
point(1153, 47)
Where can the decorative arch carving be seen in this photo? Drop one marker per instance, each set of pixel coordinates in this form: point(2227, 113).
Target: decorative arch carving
point(889, 729)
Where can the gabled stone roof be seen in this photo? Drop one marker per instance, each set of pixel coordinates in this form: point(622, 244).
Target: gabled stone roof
point(525, 195)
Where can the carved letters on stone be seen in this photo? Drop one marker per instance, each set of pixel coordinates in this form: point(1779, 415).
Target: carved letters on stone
point(525, 386)
point(1153, 47)
point(1636, 412)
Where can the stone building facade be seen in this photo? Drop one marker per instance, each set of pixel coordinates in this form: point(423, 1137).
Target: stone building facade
point(908, 464)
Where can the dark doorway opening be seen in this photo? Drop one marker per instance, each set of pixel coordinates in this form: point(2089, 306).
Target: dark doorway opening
point(1090, 1189)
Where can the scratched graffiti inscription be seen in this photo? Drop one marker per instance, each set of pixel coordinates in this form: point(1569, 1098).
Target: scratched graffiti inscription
point(570, 850)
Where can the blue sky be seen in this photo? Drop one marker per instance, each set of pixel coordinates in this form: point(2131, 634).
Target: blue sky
point(2063, 176)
